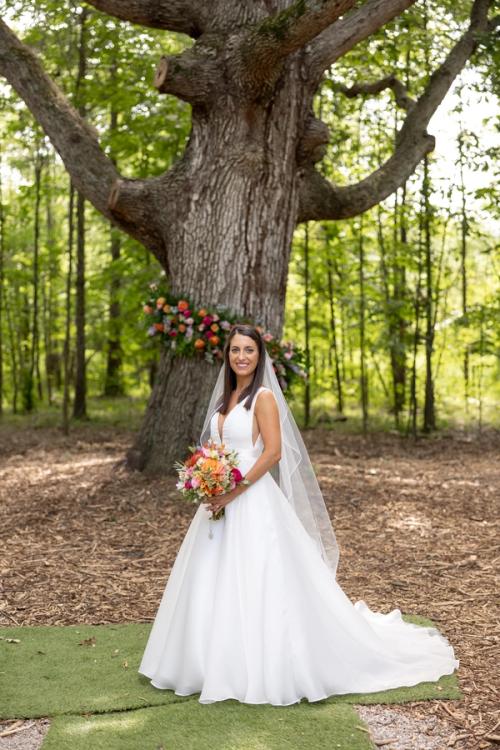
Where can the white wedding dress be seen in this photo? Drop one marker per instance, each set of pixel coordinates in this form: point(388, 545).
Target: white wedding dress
point(252, 612)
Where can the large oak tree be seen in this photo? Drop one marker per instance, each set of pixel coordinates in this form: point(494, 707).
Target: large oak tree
point(221, 220)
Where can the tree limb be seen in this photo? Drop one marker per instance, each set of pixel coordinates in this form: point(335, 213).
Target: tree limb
point(194, 75)
point(263, 50)
point(403, 99)
point(185, 16)
point(292, 28)
point(319, 199)
point(348, 31)
point(91, 171)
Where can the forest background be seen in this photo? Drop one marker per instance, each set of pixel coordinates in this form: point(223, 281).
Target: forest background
point(396, 311)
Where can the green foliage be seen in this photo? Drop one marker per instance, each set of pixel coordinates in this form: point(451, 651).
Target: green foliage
point(145, 133)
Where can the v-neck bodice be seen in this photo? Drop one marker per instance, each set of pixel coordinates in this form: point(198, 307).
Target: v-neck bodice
point(237, 428)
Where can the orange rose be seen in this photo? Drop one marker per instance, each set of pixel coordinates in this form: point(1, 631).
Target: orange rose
point(214, 327)
point(199, 344)
point(214, 340)
point(166, 308)
point(182, 305)
point(159, 326)
point(182, 327)
point(202, 313)
point(147, 309)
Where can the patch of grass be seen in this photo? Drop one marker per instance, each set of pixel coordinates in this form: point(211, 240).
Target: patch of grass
point(226, 726)
point(125, 412)
point(75, 668)
point(93, 668)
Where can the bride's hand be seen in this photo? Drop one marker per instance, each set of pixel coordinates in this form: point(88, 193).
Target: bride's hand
point(219, 502)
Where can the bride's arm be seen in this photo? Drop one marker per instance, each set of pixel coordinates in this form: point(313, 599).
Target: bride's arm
point(268, 420)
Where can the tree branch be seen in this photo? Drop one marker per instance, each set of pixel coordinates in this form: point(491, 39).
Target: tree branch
point(319, 199)
point(185, 16)
point(91, 171)
point(403, 99)
point(195, 75)
point(297, 25)
point(343, 35)
point(264, 48)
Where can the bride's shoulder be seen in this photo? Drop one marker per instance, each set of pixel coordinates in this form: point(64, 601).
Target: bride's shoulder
point(264, 396)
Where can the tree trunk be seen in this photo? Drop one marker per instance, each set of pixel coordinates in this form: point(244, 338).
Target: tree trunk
point(464, 235)
point(32, 366)
point(113, 384)
point(2, 302)
point(307, 327)
point(337, 381)
point(363, 377)
point(67, 322)
point(228, 244)
point(429, 422)
point(80, 400)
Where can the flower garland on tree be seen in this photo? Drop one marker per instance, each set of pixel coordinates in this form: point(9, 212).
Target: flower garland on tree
point(191, 331)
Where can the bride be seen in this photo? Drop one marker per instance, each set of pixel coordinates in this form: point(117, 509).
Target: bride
point(252, 610)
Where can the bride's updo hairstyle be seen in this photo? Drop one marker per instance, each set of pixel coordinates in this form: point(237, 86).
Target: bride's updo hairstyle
point(230, 376)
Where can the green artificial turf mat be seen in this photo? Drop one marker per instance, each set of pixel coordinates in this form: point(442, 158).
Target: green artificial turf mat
point(93, 668)
point(53, 671)
point(224, 726)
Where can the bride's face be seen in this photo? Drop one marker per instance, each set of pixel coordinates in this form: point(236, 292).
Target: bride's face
point(243, 354)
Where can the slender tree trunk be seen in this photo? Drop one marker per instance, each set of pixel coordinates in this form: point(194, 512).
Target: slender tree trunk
point(337, 381)
point(80, 398)
point(15, 348)
point(307, 323)
point(32, 364)
point(464, 233)
point(429, 422)
point(50, 318)
point(363, 381)
point(68, 314)
point(398, 351)
point(2, 295)
point(413, 405)
point(113, 384)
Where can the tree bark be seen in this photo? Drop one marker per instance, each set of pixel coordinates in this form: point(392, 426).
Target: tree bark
point(237, 191)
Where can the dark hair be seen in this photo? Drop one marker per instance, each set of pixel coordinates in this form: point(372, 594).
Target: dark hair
point(230, 376)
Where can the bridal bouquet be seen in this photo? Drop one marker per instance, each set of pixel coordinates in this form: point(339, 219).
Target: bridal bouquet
point(210, 470)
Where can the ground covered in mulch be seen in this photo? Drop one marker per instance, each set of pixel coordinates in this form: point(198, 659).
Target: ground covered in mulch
point(82, 540)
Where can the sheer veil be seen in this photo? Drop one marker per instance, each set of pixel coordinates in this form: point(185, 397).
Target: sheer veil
point(295, 474)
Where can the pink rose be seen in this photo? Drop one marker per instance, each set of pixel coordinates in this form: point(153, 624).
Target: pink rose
point(207, 320)
point(238, 476)
point(187, 313)
point(187, 485)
